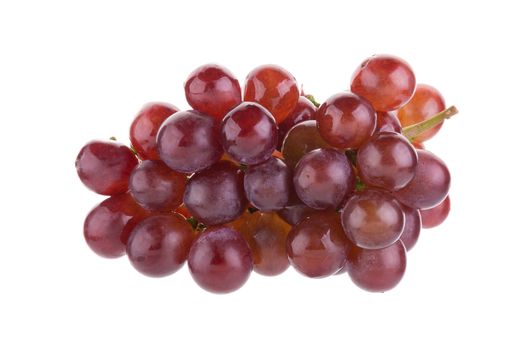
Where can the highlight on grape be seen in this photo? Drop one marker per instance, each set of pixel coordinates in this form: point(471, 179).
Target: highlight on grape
point(260, 177)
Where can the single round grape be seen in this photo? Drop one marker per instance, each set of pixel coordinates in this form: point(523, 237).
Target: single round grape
point(412, 227)
point(376, 270)
point(373, 219)
point(145, 126)
point(189, 141)
point(216, 195)
point(266, 235)
point(388, 161)
point(156, 187)
point(305, 110)
point(431, 184)
point(249, 133)
point(213, 90)
point(321, 178)
point(220, 260)
point(387, 82)
point(159, 245)
point(426, 102)
point(316, 246)
point(104, 166)
point(435, 216)
point(387, 121)
point(346, 120)
point(274, 88)
point(268, 185)
point(109, 224)
point(301, 139)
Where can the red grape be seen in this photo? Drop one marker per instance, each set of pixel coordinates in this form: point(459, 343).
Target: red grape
point(316, 246)
point(213, 90)
point(346, 121)
point(156, 187)
point(274, 88)
point(387, 82)
point(220, 260)
point(430, 185)
point(435, 216)
point(305, 110)
point(321, 178)
point(373, 219)
point(266, 235)
point(216, 195)
point(388, 161)
point(105, 166)
point(426, 102)
point(376, 270)
point(189, 141)
point(387, 121)
point(249, 133)
point(145, 126)
point(301, 139)
point(159, 245)
point(108, 226)
point(268, 185)
point(412, 227)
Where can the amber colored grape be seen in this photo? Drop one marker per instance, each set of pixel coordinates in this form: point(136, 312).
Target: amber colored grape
point(316, 246)
point(266, 235)
point(145, 126)
point(386, 81)
point(418, 145)
point(373, 219)
point(104, 166)
point(301, 139)
point(108, 226)
point(305, 110)
point(159, 245)
point(435, 216)
point(412, 227)
point(274, 88)
point(346, 120)
point(376, 270)
point(430, 185)
point(156, 187)
point(220, 260)
point(426, 102)
point(213, 90)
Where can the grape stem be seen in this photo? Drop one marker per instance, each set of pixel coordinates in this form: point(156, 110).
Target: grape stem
point(311, 98)
point(415, 130)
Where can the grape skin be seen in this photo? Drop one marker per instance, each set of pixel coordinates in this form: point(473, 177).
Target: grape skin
point(220, 260)
point(216, 195)
point(321, 178)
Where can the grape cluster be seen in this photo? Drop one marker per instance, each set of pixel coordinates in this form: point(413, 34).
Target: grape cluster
point(266, 178)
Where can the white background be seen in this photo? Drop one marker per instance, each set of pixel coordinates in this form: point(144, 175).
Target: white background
point(73, 71)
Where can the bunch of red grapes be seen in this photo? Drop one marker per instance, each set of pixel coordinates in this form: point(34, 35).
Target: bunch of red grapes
point(267, 178)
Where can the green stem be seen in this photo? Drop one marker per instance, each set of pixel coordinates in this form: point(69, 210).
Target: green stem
point(415, 130)
point(311, 98)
